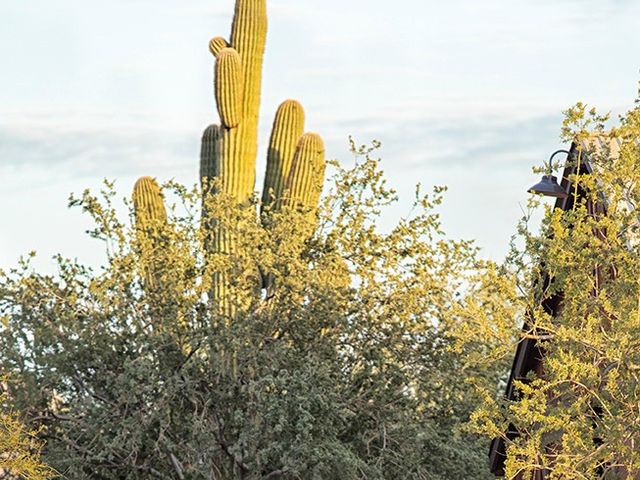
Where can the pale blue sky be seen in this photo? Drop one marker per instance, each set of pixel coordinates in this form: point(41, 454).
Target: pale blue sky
point(466, 93)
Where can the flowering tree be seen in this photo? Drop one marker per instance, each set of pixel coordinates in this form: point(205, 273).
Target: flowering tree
point(574, 287)
point(340, 367)
point(19, 449)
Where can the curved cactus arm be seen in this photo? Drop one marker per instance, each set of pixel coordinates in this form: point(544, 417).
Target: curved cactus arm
point(148, 203)
point(228, 80)
point(303, 185)
point(151, 219)
point(210, 154)
point(288, 126)
point(216, 44)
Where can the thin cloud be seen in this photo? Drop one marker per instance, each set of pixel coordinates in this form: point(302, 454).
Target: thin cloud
point(90, 152)
point(410, 138)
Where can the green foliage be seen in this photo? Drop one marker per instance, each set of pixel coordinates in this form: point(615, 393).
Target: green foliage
point(579, 419)
point(19, 448)
point(342, 370)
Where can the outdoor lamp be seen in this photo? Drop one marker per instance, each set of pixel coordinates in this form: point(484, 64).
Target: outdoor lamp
point(548, 186)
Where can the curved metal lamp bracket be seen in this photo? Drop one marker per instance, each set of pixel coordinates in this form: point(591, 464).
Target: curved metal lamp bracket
point(548, 186)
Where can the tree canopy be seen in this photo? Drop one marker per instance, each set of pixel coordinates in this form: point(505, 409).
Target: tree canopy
point(577, 417)
point(19, 447)
point(341, 367)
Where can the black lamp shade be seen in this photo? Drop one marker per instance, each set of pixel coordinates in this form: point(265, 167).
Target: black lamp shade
point(549, 187)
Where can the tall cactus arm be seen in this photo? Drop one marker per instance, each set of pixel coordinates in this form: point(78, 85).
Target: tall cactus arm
point(209, 157)
point(148, 203)
point(303, 185)
point(216, 44)
point(248, 37)
point(228, 80)
point(151, 218)
point(210, 152)
point(288, 126)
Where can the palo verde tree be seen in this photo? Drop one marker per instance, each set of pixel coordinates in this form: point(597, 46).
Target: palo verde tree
point(341, 370)
point(19, 447)
point(577, 417)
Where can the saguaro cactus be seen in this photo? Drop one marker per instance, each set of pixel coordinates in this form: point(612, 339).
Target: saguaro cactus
point(295, 162)
point(229, 151)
